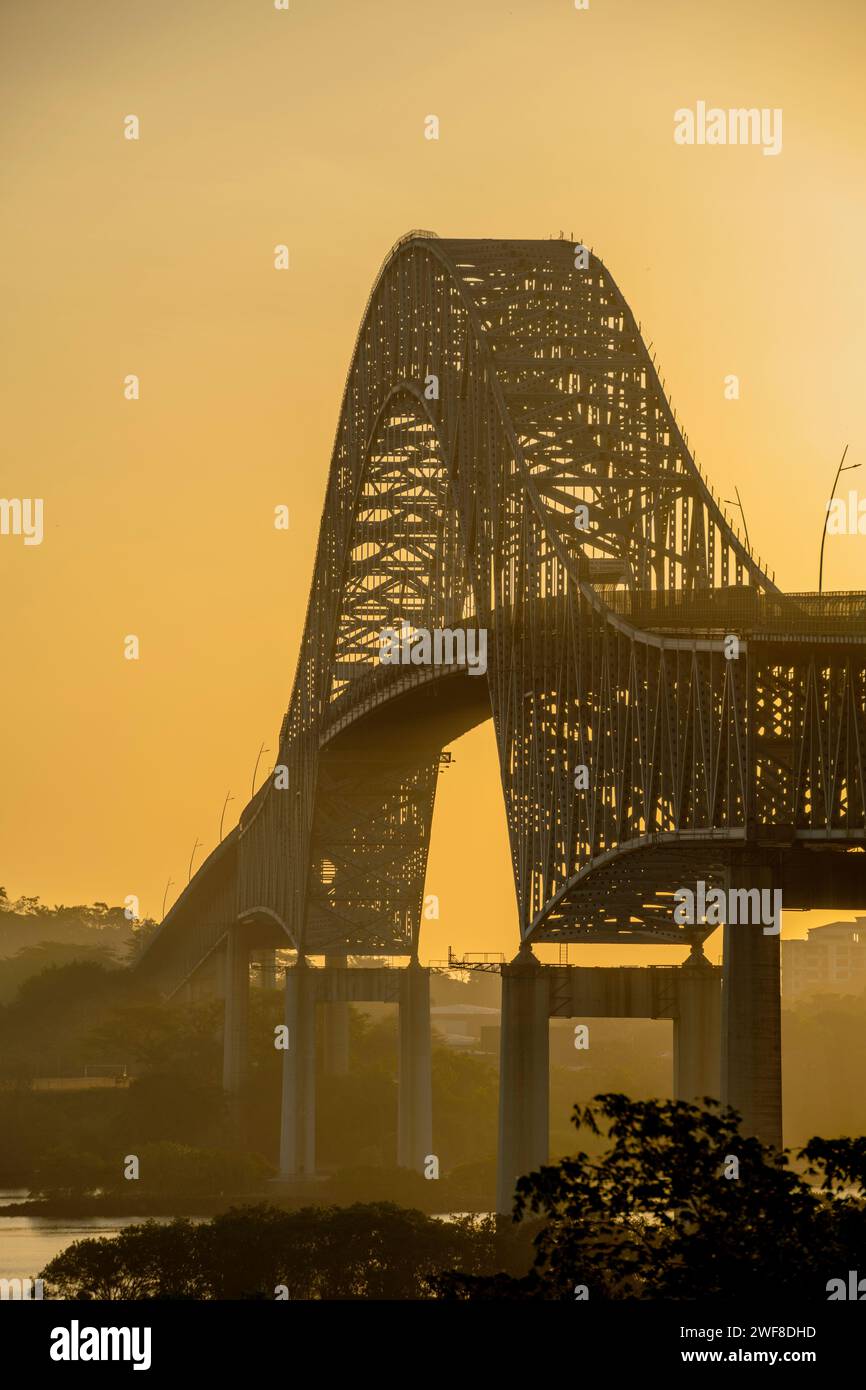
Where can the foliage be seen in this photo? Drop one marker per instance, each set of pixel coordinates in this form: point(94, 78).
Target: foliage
point(157, 1037)
point(150, 1260)
point(370, 1251)
point(664, 1212)
point(166, 1169)
point(31, 961)
point(25, 921)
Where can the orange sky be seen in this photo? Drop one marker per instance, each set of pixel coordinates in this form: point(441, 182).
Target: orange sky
point(156, 257)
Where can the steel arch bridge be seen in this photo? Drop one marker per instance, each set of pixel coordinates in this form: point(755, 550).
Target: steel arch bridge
point(497, 389)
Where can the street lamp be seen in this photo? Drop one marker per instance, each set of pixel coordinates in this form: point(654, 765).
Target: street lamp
point(192, 856)
point(229, 798)
point(738, 503)
point(839, 471)
point(262, 750)
point(165, 894)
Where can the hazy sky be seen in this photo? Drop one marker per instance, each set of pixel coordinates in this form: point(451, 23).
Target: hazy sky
point(155, 257)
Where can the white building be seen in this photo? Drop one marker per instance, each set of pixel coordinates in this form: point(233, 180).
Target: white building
point(830, 959)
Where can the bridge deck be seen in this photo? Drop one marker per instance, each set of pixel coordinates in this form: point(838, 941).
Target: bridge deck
point(745, 611)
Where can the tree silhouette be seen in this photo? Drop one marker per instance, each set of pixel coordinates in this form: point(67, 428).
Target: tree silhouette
point(371, 1251)
point(681, 1205)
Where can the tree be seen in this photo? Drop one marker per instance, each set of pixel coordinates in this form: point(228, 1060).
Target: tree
point(141, 933)
point(31, 961)
point(181, 1039)
point(150, 1260)
point(369, 1250)
point(682, 1206)
point(376, 1250)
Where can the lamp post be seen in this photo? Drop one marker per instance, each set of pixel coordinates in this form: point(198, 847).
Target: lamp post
point(738, 503)
point(839, 471)
point(165, 894)
point(262, 750)
point(192, 856)
point(229, 798)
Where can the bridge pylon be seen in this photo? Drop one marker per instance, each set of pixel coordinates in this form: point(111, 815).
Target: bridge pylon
point(334, 987)
point(533, 993)
point(752, 1016)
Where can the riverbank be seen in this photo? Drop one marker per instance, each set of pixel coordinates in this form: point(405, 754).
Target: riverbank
point(111, 1207)
point(431, 1199)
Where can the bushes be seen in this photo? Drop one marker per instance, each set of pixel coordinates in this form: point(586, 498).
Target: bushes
point(372, 1251)
point(146, 1261)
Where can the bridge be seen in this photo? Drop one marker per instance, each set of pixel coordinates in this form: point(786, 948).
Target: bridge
point(507, 465)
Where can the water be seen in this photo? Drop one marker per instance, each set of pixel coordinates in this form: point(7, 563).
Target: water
point(27, 1243)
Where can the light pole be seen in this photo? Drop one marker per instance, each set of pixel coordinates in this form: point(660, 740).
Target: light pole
point(165, 894)
point(192, 856)
point(738, 503)
point(839, 471)
point(262, 750)
point(229, 798)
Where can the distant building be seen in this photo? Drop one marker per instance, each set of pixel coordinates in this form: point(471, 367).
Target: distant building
point(460, 1025)
point(830, 959)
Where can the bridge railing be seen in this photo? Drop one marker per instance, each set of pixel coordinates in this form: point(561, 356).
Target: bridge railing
point(744, 610)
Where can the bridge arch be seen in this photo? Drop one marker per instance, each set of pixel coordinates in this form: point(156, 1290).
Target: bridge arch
point(606, 646)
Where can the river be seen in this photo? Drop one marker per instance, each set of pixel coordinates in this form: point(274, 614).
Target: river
point(27, 1243)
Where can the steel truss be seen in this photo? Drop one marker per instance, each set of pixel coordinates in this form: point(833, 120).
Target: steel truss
point(495, 389)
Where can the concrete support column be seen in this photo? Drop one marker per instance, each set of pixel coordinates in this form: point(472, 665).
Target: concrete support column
point(298, 1113)
point(751, 1016)
point(335, 1038)
point(697, 1030)
point(236, 978)
point(524, 1100)
point(415, 1079)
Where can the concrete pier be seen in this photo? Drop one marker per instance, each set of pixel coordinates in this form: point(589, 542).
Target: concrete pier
point(298, 1111)
point(751, 1017)
point(523, 1074)
point(414, 1071)
point(335, 987)
point(533, 993)
point(697, 1030)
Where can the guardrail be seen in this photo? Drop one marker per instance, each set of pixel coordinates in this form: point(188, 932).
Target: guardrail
point(743, 610)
